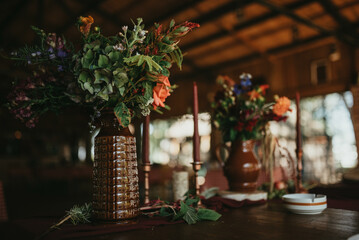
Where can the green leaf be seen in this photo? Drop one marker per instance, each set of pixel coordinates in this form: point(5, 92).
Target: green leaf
point(165, 72)
point(140, 60)
point(108, 49)
point(120, 77)
point(123, 114)
point(210, 192)
point(121, 90)
point(164, 212)
point(83, 77)
point(148, 90)
point(172, 23)
point(103, 95)
point(101, 77)
point(114, 56)
point(191, 201)
point(88, 87)
point(182, 212)
point(102, 61)
point(191, 216)
point(165, 64)
point(89, 55)
point(208, 214)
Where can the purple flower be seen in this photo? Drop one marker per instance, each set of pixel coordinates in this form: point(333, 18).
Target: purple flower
point(237, 90)
point(51, 50)
point(61, 53)
point(52, 56)
point(60, 43)
point(60, 68)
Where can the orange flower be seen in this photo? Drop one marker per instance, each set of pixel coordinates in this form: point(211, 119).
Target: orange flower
point(263, 88)
point(254, 94)
point(161, 91)
point(282, 106)
point(86, 23)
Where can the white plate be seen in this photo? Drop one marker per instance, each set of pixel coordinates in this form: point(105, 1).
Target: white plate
point(304, 203)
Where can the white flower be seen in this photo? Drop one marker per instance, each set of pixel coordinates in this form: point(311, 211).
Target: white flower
point(142, 33)
point(245, 76)
point(150, 101)
point(119, 47)
point(146, 112)
point(124, 28)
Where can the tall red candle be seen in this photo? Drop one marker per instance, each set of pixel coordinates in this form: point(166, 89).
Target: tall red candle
point(196, 154)
point(298, 139)
point(146, 141)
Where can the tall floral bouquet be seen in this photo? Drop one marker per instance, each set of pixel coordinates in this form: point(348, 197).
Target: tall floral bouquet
point(241, 111)
point(127, 72)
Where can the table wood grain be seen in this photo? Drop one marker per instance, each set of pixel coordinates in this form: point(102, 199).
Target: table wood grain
point(268, 221)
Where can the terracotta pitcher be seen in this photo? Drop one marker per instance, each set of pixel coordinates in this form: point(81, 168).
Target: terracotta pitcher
point(242, 167)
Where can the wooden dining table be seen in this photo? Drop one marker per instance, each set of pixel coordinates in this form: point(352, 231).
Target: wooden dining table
point(267, 221)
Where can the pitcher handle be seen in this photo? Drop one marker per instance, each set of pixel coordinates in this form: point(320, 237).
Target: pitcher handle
point(218, 153)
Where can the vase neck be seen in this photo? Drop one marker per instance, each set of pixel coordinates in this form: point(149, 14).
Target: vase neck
point(246, 146)
point(110, 126)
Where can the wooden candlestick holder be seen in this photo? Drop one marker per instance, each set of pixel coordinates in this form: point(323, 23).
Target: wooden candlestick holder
point(146, 169)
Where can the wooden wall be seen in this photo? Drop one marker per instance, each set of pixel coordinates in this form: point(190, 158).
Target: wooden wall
point(286, 72)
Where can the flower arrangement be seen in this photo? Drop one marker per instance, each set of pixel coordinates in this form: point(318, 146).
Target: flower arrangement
point(127, 72)
point(241, 111)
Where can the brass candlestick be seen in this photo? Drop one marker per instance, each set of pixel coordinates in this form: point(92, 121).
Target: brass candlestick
point(196, 168)
point(299, 186)
point(146, 170)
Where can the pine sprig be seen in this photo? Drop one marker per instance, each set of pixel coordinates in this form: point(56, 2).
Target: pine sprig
point(77, 214)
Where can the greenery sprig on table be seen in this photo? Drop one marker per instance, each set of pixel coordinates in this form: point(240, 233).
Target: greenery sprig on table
point(186, 210)
point(127, 71)
point(77, 215)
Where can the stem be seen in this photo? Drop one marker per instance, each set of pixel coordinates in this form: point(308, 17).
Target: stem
point(53, 227)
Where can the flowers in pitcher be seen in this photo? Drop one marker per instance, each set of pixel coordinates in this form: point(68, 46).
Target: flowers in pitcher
point(240, 110)
point(128, 72)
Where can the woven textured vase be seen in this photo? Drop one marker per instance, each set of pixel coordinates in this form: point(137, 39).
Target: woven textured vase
point(115, 174)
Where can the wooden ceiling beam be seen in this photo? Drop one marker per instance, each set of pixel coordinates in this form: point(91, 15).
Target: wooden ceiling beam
point(220, 11)
point(185, 5)
point(287, 12)
point(344, 23)
point(222, 65)
point(243, 25)
point(113, 17)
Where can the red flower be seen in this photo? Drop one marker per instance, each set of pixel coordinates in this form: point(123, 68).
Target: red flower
point(251, 124)
point(188, 25)
point(239, 126)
